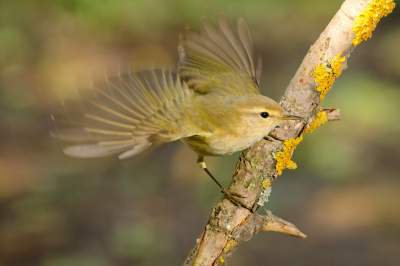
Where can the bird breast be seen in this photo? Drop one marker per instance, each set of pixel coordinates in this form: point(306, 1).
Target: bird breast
point(222, 144)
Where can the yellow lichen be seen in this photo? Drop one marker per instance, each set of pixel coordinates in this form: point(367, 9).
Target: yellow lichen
point(319, 119)
point(284, 157)
point(266, 183)
point(326, 74)
point(231, 244)
point(337, 64)
point(366, 22)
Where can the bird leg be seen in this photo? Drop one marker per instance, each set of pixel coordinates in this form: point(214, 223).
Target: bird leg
point(203, 166)
point(227, 194)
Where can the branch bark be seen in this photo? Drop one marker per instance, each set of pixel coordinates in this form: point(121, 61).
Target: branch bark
point(257, 168)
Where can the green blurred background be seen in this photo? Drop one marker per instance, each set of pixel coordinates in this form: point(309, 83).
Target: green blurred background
point(58, 211)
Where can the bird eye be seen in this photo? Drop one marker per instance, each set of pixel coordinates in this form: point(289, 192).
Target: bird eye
point(264, 114)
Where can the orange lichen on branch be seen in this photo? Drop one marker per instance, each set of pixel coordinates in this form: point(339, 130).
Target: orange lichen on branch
point(325, 74)
point(284, 157)
point(366, 22)
point(319, 119)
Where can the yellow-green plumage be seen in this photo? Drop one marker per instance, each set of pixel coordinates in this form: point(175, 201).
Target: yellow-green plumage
point(212, 104)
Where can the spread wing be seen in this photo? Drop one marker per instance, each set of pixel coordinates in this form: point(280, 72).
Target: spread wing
point(220, 61)
point(125, 116)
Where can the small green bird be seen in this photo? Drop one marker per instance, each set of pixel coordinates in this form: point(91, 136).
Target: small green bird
point(213, 103)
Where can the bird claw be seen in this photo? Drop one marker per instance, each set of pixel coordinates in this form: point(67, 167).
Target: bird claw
point(232, 197)
point(272, 138)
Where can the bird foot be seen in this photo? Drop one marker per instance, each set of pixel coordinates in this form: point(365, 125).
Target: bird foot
point(272, 138)
point(233, 197)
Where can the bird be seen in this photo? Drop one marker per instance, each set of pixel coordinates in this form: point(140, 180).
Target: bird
point(211, 102)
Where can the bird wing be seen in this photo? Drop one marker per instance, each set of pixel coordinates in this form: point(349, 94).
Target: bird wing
point(126, 115)
point(220, 61)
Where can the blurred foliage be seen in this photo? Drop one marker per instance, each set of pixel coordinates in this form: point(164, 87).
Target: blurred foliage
point(57, 211)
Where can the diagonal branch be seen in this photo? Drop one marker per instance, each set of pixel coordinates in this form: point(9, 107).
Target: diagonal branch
point(258, 167)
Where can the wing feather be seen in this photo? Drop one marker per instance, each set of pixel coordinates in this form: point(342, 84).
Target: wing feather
point(219, 60)
point(247, 42)
point(94, 150)
point(126, 115)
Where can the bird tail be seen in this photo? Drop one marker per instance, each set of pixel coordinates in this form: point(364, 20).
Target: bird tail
point(126, 115)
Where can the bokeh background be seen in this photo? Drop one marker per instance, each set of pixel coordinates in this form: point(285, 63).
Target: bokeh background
point(58, 211)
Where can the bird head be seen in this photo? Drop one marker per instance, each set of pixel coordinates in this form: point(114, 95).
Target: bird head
point(261, 114)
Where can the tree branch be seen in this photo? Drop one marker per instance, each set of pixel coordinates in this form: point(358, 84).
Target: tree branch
point(258, 167)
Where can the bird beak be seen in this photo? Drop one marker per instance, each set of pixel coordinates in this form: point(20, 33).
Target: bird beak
point(291, 117)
